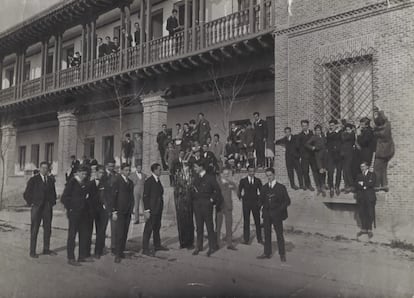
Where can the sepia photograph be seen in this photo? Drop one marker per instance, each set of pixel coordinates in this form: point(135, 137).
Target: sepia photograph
point(206, 148)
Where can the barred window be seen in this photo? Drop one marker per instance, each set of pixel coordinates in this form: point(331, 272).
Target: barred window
point(344, 87)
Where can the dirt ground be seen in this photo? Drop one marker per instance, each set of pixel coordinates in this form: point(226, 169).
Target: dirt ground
point(317, 266)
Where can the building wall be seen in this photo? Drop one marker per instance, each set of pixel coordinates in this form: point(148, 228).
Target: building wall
point(391, 34)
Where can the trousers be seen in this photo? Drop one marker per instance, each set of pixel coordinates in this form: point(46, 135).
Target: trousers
point(40, 214)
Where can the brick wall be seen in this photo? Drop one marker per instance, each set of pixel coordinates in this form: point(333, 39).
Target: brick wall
point(391, 33)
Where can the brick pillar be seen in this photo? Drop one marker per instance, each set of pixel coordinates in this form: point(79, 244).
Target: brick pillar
point(155, 115)
point(8, 149)
point(281, 101)
point(68, 135)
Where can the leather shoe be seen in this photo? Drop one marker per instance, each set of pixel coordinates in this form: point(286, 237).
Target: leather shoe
point(211, 251)
point(49, 252)
point(263, 256)
point(337, 191)
point(86, 260)
point(196, 252)
point(34, 255)
point(311, 188)
point(370, 234)
point(147, 252)
point(283, 259)
point(162, 248)
point(304, 187)
point(331, 193)
point(360, 233)
point(294, 187)
point(117, 260)
point(73, 263)
point(231, 247)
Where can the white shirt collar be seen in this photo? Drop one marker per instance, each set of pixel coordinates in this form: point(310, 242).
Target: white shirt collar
point(202, 173)
point(155, 177)
point(125, 178)
point(272, 184)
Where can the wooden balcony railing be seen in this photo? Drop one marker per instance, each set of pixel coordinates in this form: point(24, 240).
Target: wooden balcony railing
point(230, 28)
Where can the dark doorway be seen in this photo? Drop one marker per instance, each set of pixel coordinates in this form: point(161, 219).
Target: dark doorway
point(107, 148)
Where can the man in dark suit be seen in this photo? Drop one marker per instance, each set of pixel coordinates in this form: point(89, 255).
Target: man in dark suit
point(366, 199)
point(249, 192)
point(366, 141)
point(109, 178)
point(122, 208)
point(260, 136)
point(74, 198)
point(40, 194)
point(128, 148)
point(291, 158)
point(334, 161)
point(137, 34)
point(102, 48)
point(205, 195)
point(162, 141)
point(74, 165)
point(307, 156)
point(274, 201)
point(153, 207)
point(98, 198)
point(347, 155)
point(173, 25)
point(203, 128)
point(210, 159)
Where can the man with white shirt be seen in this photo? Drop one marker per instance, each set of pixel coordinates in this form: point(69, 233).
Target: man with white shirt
point(366, 199)
point(249, 193)
point(40, 194)
point(153, 207)
point(274, 200)
point(122, 208)
point(138, 178)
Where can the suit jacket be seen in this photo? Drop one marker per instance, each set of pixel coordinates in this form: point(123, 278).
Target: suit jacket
point(291, 146)
point(348, 142)
point(250, 193)
point(75, 195)
point(302, 139)
point(137, 37)
point(320, 152)
point(366, 141)
point(333, 144)
point(172, 24)
point(138, 183)
point(203, 129)
point(364, 185)
point(102, 50)
point(128, 148)
point(218, 149)
point(162, 139)
point(275, 201)
point(123, 195)
point(98, 196)
point(205, 189)
point(247, 138)
point(37, 192)
point(153, 195)
point(260, 130)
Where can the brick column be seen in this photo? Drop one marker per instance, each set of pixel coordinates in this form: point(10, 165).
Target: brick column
point(281, 101)
point(155, 115)
point(8, 149)
point(68, 135)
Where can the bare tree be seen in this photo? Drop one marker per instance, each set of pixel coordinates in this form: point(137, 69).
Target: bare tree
point(226, 92)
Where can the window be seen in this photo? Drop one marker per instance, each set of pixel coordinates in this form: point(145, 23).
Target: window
point(180, 6)
point(108, 148)
point(89, 148)
point(156, 19)
point(22, 157)
point(26, 71)
point(35, 155)
point(49, 64)
point(344, 87)
point(49, 152)
point(10, 76)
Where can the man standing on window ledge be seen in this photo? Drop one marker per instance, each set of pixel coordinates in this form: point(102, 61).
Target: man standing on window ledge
point(274, 200)
point(153, 207)
point(260, 136)
point(40, 194)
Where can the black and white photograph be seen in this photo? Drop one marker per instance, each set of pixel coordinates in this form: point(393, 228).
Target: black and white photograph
point(206, 148)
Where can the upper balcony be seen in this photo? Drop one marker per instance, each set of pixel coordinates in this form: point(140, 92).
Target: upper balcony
point(192, 45)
